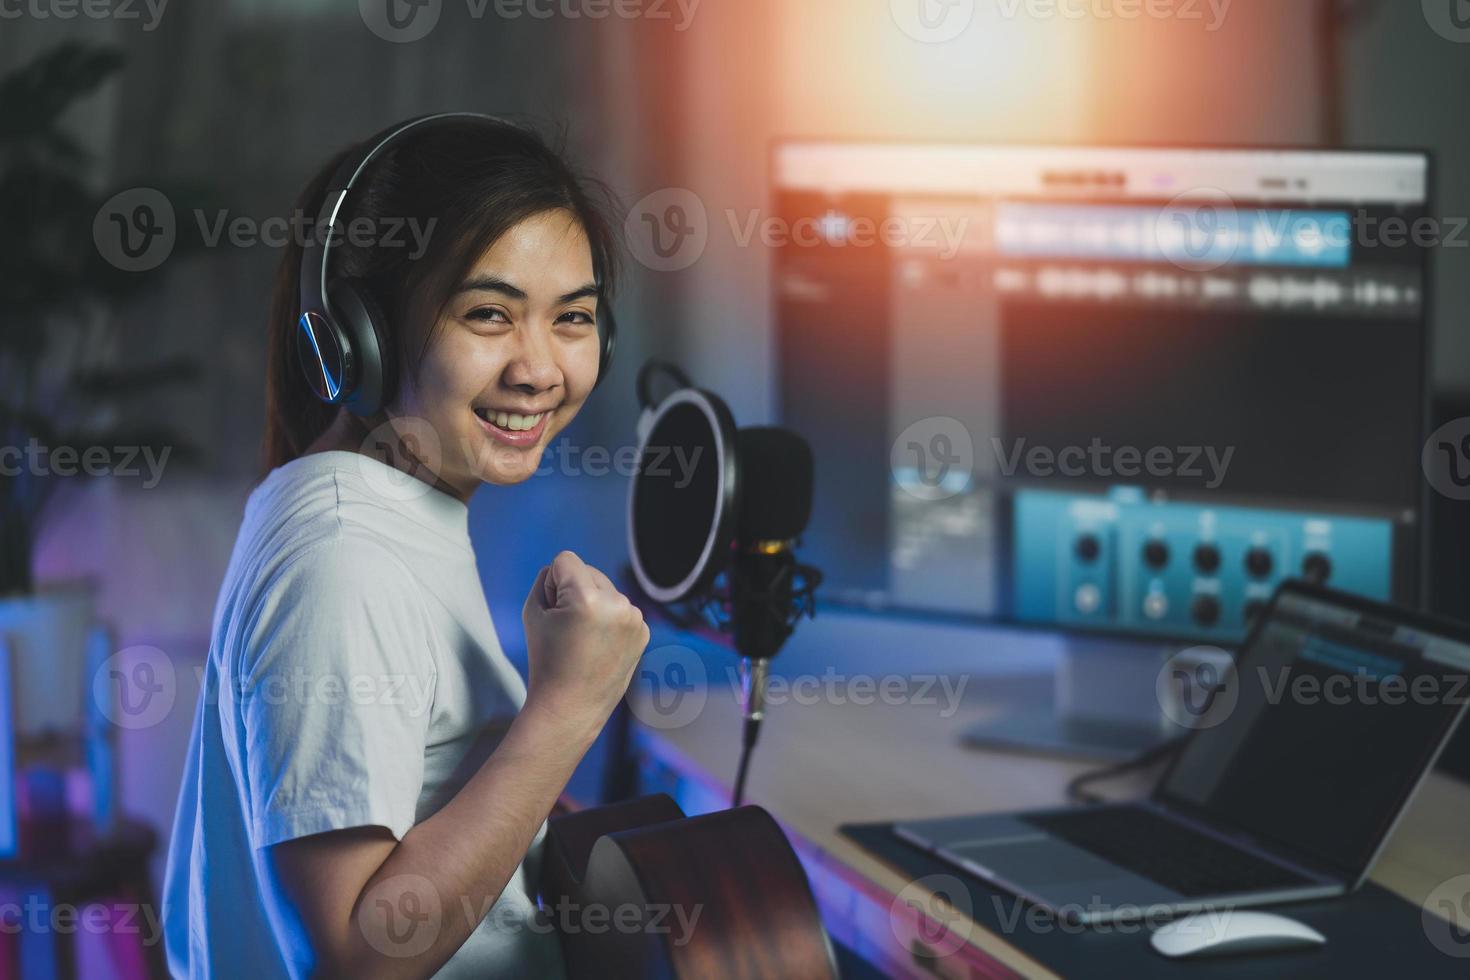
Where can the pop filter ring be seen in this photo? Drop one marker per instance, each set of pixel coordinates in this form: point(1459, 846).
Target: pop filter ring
point(715, 555)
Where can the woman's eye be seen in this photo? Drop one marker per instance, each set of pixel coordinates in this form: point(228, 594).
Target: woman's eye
point(488, 314)
point(576, 316)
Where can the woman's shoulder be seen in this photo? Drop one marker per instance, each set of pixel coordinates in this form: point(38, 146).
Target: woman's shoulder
point(307, 520)
point(298, 563)
point(330, 491)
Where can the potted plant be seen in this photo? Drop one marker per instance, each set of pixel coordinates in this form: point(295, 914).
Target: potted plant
point(57, 297)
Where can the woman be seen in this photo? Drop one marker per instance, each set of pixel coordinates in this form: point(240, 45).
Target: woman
point(367, 774)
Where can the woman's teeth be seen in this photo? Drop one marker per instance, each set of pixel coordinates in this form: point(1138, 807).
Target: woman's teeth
point(509, 420)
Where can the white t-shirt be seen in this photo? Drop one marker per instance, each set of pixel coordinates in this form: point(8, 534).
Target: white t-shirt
point(354, 679)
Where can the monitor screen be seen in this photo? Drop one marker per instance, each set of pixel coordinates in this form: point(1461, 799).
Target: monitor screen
point(1107, 389)
point(1361, 700)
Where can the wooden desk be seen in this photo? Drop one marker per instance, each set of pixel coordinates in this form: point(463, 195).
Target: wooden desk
point(819, 765)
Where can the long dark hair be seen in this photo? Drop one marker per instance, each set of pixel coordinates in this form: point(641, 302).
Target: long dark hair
point(467, 184)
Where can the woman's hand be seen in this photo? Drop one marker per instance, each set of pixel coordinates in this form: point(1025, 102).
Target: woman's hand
point(584, 639)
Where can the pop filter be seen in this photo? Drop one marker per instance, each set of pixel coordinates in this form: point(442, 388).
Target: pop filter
point(708, 498)
point(683, 499)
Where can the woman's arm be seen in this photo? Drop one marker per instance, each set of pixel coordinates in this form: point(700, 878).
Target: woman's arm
point(584, 639)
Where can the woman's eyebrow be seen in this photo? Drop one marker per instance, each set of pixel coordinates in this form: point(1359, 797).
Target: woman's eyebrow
point(495, 284)
point(581, 292)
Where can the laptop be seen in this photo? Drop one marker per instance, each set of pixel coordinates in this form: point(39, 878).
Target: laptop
point(1340, 707)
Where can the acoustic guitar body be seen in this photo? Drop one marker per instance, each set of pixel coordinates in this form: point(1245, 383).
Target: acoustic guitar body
point(637, 889)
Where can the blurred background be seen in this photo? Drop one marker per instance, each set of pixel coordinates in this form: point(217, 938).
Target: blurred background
point(223, 110)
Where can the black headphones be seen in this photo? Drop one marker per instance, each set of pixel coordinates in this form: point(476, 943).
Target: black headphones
point(342, 342)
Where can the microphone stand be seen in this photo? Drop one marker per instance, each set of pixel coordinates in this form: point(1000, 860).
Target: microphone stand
point(761, 591)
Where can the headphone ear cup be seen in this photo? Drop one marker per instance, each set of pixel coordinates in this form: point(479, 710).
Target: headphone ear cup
point(359, 314)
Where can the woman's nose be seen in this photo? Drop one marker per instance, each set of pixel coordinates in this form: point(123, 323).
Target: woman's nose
point(533, 368)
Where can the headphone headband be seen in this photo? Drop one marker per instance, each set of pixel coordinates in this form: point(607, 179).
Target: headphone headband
point(316, 253)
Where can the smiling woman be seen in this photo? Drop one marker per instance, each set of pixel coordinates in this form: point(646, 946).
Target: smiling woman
point(377, 835)
point(527, 315)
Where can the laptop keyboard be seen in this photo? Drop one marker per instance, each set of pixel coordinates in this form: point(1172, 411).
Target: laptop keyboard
point(1191, 863)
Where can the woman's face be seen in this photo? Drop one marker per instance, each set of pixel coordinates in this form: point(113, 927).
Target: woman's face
point(512, 358)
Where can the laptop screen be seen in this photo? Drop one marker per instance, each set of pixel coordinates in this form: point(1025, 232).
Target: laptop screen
point(1339, 709)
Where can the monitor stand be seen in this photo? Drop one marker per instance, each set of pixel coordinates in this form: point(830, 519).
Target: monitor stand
point(1105, 703)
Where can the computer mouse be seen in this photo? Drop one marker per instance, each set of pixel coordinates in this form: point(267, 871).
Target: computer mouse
point(1229, 931)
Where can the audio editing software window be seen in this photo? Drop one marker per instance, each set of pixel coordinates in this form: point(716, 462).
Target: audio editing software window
point(1111, 389)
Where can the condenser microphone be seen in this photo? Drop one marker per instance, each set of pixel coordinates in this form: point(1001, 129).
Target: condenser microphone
point(714, 516)
point(775, 505)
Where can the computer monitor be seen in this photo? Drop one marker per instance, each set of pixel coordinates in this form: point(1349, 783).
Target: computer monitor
point(1121, 391)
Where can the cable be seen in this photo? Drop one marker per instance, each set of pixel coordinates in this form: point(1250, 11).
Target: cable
point(1143, 760)
point(754, 674)
point(747, 743)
